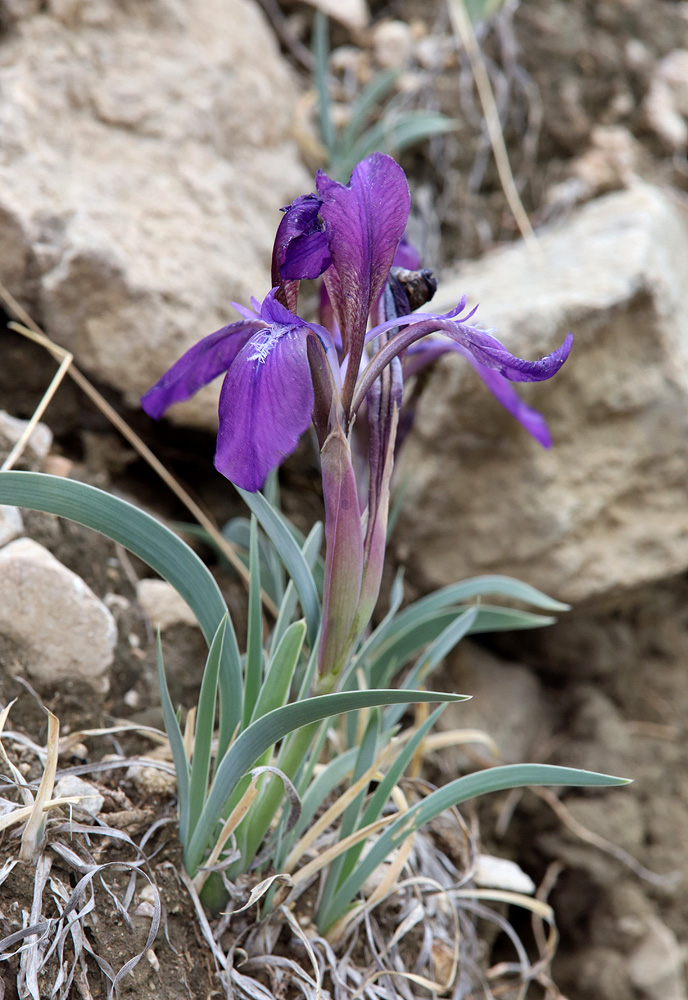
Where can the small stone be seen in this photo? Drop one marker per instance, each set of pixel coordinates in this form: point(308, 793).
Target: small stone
point(91, 800)
point(666, 104)
point(12, 428)
point(163, 604)
point(148, 893)
point(638, 55)
point(664, 119)
point(611, 162)
point(152, 958)
point(152, 780)
point(346, 59)
point(656, 964)
point(392, 44)
point(117, 603)
point(52, 625)
point(500, 873)
point(351, 13)
point(432, 52)
point(58, 465)
point(673, 71)
point(11, 524)
point(132, 699)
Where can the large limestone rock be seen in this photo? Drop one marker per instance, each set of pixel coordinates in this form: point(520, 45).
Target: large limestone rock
point(605, 509)
point(145, 151)
point(493, 685)
point(53, 628)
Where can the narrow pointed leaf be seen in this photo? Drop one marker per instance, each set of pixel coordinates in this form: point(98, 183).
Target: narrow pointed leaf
point(254, 630)
point(321, 787)
point(395, 133)
point(432, 657)
point(457, 593)
point(205, 726)
point(367, 101)
point(400, 646)
point(309, 550)
point(274, 726)
point(174, 735)
point(381, 795)
point(492, 780)
point(275, 527)
point(231, 690)
point(280, 673)
point(349, 822)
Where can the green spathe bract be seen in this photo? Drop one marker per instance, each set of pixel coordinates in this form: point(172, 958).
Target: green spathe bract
point(260, 705)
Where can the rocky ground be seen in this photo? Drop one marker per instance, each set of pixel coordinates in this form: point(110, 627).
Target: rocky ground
point(143, 150)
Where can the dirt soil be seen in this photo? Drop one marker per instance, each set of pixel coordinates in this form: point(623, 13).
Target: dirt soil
point(561, 69)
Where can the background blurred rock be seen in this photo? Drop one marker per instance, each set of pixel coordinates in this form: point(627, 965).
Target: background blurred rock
point(605, 509)
point(145, 150)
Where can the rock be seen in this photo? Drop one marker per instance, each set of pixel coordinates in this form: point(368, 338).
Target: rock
point(15, 10)
point(610, 163)
point(163, 604)
point(392, 44)
point(11, 524)
point(500, 873)
point(594, 972)
point(58, 465)
point(91, 800)
point(656, 964)
point(11, 429)
point(493, 684)
point(152, 781)
point(52, 626)
point(666, 104)
point(145, 151)
point(352, 13)
point(604, 510)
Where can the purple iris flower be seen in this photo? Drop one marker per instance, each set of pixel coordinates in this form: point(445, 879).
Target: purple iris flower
point(282, 372)
point(350, 234)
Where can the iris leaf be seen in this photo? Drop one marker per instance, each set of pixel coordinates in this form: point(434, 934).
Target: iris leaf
point(254, 630)
point(174, 735)
point(205, 725)
point(492, 780)
point(274, 726)
point(277, 530)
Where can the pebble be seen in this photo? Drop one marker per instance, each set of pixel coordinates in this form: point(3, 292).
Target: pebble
point(656, 964)
point(392, 44)
point(500, 873)
point(12, 428)
point(58, 631)
point(91, 802)
point(666, 104)
point(163, 605)
point(11, 524)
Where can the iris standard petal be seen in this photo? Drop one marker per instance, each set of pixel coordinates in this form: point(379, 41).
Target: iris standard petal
point(300, 248)
point(364, 222)
point(206, 360)
point(265, 405)
point(407, 256)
